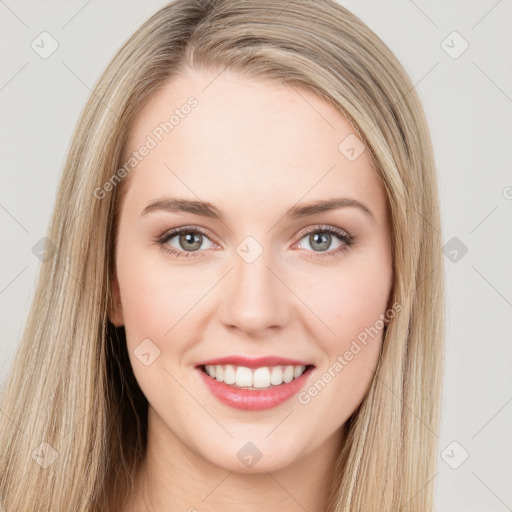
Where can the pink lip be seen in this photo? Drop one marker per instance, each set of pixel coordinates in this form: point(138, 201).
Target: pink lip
point(254, 362)
point(254, 400)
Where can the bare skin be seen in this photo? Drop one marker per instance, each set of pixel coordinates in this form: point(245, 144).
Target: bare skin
point(252, 148)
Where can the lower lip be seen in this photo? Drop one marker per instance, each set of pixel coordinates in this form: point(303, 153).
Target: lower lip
point(254, 400)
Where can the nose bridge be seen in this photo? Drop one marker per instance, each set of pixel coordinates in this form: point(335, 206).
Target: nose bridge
point(255, 299)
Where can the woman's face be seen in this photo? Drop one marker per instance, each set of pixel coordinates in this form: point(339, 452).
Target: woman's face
point(254, 273)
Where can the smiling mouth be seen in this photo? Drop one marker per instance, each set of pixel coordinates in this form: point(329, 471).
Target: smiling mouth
point(265, 377)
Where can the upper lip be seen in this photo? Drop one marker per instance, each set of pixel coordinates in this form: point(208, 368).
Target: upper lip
point(256, 362)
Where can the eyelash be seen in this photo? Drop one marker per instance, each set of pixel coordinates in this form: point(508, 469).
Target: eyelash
point(343, 236)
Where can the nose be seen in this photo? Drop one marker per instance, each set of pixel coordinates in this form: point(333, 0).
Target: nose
point(255, 299)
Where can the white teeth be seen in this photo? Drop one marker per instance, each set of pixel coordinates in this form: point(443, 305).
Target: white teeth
point(243, 376)
point(229, 374)
point(297, 371)
point(276, 376)
point(288, 374)
point(259, 378)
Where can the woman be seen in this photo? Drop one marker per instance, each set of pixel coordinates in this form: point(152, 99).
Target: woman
point(248, 370)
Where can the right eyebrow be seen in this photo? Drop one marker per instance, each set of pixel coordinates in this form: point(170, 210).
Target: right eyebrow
point(175, 204)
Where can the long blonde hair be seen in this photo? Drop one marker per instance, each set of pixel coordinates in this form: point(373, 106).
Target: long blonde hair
point(73, 419)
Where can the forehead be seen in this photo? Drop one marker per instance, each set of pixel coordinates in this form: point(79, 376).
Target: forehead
point(245, 141)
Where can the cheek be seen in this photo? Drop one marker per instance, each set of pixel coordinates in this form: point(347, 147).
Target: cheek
point(352, 299)
point(154, 299)
point(155, 303)
point(351, 309)
point(352, 306)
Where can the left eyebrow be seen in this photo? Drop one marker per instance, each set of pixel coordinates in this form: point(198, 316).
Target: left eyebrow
point(309, 209)
point(206, 209)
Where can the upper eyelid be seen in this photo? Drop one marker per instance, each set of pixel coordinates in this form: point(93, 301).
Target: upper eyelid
point(322, 227)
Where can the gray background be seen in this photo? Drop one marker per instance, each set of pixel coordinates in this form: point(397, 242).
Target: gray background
point(468, 101)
